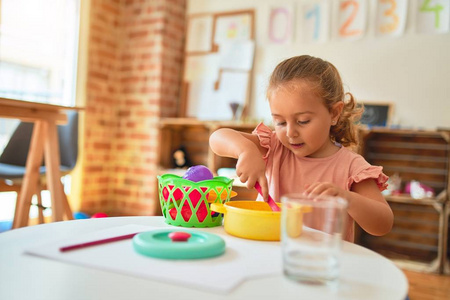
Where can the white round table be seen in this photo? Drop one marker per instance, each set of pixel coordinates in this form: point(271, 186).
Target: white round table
point(364, 273)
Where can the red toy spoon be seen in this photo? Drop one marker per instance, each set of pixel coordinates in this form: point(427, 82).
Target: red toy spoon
point(271, 202)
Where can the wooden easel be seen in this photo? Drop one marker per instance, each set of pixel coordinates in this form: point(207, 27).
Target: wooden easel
point(44, 143)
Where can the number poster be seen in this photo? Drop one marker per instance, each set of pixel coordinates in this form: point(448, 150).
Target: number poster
point(317, 21)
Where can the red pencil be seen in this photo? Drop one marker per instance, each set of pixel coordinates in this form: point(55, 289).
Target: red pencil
point(97, 242)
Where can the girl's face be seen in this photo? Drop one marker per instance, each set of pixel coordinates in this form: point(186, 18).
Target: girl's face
point(302, 121)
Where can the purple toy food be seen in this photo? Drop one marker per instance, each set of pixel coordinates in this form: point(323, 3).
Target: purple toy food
point(198, 173)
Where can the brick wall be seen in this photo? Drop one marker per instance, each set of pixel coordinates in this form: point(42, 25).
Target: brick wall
point(135, 60)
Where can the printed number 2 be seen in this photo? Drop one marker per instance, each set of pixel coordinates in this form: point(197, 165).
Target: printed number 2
point(344, 30)
point(390, 13)
point(436, 9)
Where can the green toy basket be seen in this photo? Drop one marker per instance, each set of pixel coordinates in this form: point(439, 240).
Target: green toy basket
point(186, 203)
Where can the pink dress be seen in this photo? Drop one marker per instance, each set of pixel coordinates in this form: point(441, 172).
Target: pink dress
point(287, 173)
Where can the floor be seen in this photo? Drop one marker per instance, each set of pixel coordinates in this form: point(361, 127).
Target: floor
point(7, 206)
point(424, 286)
point(8, 203)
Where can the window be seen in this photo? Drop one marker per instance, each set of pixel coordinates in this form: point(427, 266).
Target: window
point(38, 53)
point(38, 50)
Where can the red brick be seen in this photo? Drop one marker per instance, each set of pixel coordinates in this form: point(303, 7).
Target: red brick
point(135, 60)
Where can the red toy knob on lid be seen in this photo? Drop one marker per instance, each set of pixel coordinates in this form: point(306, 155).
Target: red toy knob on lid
point(179, 236)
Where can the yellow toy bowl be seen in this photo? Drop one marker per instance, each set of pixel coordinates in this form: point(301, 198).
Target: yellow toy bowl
point(250, 220)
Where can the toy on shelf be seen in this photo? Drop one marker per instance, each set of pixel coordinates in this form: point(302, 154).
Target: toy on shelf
point(180, 158)
point(418, 190)
point(394, 187)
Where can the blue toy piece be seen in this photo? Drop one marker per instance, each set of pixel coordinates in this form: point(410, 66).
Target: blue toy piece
point(80, 215)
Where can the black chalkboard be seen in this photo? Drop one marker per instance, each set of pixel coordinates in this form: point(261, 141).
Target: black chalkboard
point(376, 114)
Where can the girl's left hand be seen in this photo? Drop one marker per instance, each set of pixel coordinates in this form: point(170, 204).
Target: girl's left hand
point(325, 188)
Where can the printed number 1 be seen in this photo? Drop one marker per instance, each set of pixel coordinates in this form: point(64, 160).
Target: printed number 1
point(436, 9)
point(344, 31)
point(310, 14)
point(390, 13)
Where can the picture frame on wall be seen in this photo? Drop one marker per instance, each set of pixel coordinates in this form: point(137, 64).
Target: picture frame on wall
point(218, 65)
point(376, 114)
point(233, 26)
point(199, 34)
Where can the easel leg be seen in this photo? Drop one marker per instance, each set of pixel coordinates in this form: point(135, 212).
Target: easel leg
point(30, 180)
point(52, 163)
point(39, 203)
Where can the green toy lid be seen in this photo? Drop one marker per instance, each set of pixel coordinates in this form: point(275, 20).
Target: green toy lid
point(177, 244)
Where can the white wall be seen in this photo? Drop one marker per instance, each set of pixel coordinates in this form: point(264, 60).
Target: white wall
point(412, 72)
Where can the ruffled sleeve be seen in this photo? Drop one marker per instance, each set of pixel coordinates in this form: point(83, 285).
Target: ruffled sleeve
point(374, 172)
point(264, 134)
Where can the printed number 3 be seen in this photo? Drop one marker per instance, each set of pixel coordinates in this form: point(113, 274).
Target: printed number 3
point(390, 13)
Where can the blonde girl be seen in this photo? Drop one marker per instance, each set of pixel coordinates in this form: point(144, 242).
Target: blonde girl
point(308, 152)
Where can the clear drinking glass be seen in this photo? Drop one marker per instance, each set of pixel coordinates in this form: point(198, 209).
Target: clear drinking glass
point(311, 237)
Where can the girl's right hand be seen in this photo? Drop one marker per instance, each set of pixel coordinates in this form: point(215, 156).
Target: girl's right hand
point(246, 148)
point(251, 168)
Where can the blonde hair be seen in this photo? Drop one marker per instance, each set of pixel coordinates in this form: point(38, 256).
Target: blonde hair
point(328, 84)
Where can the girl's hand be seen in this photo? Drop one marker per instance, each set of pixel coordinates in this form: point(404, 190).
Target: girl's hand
point(366, 204)
point(325, 188)
point(245, 147)
point(251, 168)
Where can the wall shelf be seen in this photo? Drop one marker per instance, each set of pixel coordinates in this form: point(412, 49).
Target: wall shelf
point(419, 238)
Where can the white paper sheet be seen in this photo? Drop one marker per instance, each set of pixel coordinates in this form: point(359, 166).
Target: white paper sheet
point(243, 259)
point(237, 55)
